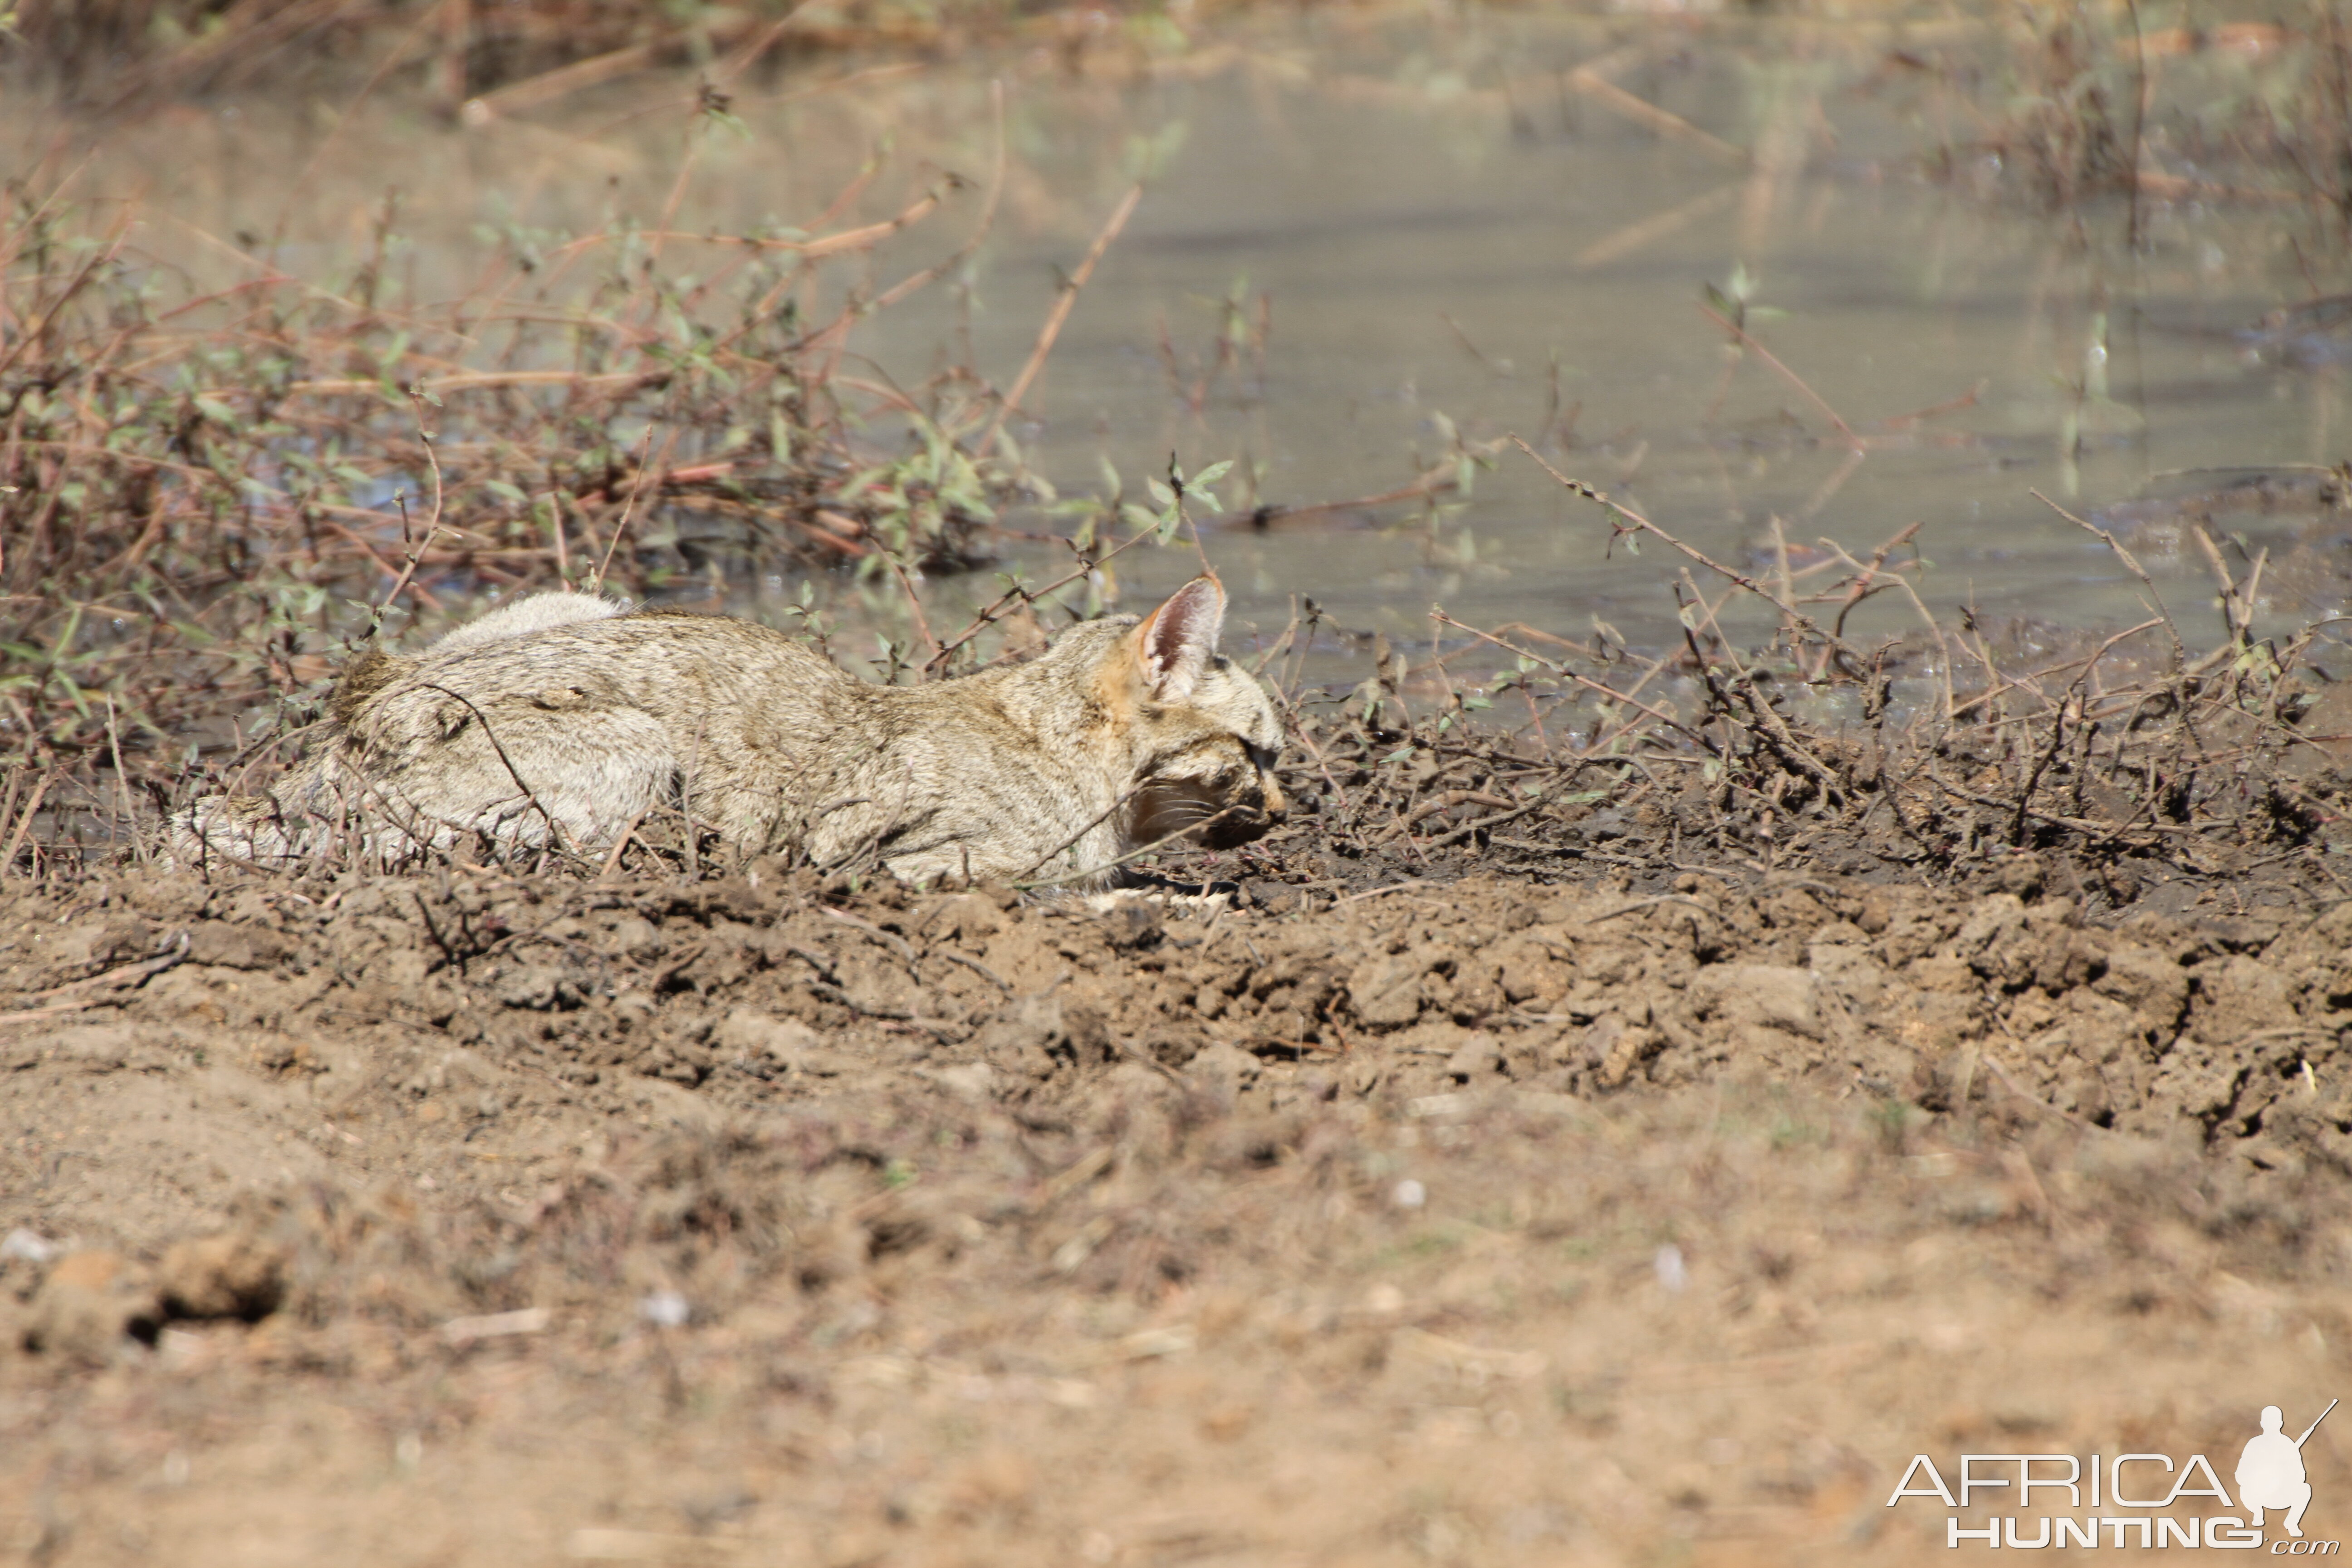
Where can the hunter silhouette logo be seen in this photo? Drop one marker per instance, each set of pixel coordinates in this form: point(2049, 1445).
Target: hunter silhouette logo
point(2121, 1500)
point(2270, 1472)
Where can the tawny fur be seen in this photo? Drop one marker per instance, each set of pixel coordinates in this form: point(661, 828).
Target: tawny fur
point(532, 613)
point(571, 714)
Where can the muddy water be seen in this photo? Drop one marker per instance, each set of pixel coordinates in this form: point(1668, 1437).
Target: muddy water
point(1430, 240)
point(1427, 265)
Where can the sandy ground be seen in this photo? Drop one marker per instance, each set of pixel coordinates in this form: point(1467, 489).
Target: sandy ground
point(472, 1219)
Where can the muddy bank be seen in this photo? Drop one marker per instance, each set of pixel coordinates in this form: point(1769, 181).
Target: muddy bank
point(461, 998)
point(1481, 1222)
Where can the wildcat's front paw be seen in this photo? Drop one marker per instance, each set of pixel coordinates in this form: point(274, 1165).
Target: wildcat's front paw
point(1188, 898)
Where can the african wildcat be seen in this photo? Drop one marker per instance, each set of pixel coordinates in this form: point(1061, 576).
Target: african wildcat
point(576, 714)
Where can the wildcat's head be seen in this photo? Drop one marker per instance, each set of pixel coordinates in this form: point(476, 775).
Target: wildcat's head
point(1204, 735)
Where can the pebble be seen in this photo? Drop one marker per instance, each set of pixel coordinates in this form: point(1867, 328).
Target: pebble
point(1672, 1273)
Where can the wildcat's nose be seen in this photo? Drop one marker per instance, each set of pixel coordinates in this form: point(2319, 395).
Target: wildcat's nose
point(1277, 809)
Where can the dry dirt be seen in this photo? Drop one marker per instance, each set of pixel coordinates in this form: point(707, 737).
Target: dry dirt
point(476, 1218)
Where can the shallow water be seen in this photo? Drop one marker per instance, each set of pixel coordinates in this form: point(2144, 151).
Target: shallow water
point(1447, 237)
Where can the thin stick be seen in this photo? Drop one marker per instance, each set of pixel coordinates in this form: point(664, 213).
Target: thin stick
point(1790, 376)
point(613, 861)
point(1469, 829)
point(980, 232)
point(1321, 766)
point(1058, 315)
point(1919, 607)
point(1137, 854)
point(1950, 406)
point(555, 527)
point(477, 380)
point(987, 618)
point(25, 823)
point(866, 239)
point(862, 238)
point(1765, 721)
point(2142, 87)
point(1280, 645)
point(2237, 601)
point(1435, 481)
point(432, 527)
point(554, 829)
point(686, 806)
point(121, 780)
point(423, 596)
point(1646, 231)
point(596, 583)
point(669, 208)
point(1100, 817)
point(549, 86)
point(1588, 80)
point(134, 973)
point(1381, 892)
point(2009, 683)
point(17, 777)
point(2180, 653)
point(1865, 580)
point(1632, 522)
point(1614, 695)
point(915, 604)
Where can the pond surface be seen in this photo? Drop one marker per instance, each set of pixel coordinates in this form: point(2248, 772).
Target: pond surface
point(1425, 241)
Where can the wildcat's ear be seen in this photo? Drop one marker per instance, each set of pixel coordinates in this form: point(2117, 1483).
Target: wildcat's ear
point(1176, 641)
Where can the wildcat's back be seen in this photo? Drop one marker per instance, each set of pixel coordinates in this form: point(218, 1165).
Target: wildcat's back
point(567, 719)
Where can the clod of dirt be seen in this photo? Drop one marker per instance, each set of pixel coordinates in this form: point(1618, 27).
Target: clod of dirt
point(88, 1305)
point(770, 1047)
point(232, 1276)
point(2020, 874)
point(94, 1048)
point(972, 1080)
point(1479, 1059)
point(1225, 1069)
